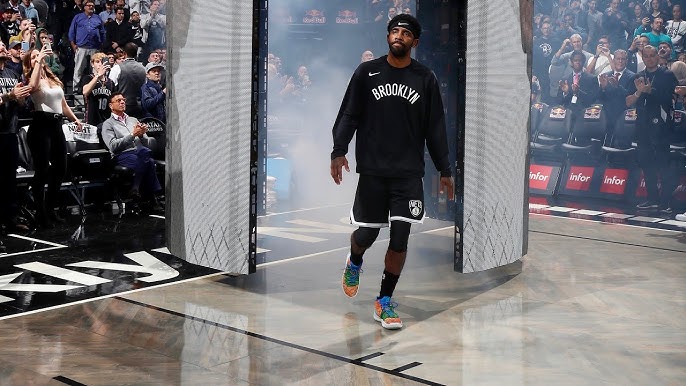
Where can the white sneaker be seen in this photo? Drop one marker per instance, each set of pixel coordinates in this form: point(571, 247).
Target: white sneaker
point(680, 217)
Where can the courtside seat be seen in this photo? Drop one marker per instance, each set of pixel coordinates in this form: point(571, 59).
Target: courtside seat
point(157, 131)
point(25, 173)
point(120, 178)
point(678, 141)
point(677, 144)
point(25, 170)
point(589, 132)
point(88, 163)
point(554, 130)
point(537, 111)
point(621, 146)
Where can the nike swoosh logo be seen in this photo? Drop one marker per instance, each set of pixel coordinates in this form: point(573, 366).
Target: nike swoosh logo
point(374, 73)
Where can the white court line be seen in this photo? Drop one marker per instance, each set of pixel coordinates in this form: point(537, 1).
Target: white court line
point(538, 206)
point(587, 212)
point(337, 249)
point(280, 213)
point(19, 314)
point(305, 210)
point(563, 209)
point(607, 223)
point(37, 240)
point(31, 251)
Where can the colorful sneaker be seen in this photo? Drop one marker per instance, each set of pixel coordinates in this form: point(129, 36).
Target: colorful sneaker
point(384, 312)
point(351, 278)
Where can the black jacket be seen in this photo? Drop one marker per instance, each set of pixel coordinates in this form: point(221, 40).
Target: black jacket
point(613, 97)
point(587, 94)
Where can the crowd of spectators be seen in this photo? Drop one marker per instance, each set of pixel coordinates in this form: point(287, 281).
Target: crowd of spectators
point(77, 30)
point(622, 54)
point(97, 49)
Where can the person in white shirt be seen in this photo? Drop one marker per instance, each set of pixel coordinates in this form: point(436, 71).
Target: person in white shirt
point(676, 29)
point(602, 60)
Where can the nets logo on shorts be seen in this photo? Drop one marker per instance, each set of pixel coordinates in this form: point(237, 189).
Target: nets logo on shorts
point(415, 207)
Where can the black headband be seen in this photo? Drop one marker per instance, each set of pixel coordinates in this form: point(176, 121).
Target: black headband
point(399, 22)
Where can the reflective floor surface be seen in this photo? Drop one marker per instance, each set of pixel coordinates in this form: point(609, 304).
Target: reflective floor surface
point(592, 303)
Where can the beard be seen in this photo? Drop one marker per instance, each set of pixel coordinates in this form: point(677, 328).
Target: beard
point(399, 51)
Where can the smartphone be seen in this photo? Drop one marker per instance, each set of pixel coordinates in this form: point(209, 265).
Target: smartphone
point(48, 46)
point(34, 20)
point(105, 61)
point(25, 46)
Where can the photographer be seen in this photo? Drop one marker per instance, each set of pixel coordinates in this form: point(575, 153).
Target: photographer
point(655, 36)
point(97, 90)
point(602, 60)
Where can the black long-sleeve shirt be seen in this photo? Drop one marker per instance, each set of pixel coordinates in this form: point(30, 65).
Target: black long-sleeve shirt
point(9, 109)
point(395, 112)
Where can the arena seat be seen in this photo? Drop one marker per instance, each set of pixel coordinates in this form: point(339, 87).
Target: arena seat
point(25, 173)
point(678, 141)
point(620, 147)
point(25, 163)
point(588, 134)
point(120, 178)
point(554, 130)
point(88, 163)
point(157, 130)
point(537, 111)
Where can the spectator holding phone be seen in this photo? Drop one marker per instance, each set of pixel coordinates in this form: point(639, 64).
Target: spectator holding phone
point(602, 60)
point(97, 89)
point(45, 137)
point(52, 61)
point(655, 36)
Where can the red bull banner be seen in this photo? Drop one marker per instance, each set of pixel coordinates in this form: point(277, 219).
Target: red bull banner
point(314, 16)
point(347, 16)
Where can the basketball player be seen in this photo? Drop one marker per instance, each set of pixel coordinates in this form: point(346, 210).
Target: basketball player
point(394, 105)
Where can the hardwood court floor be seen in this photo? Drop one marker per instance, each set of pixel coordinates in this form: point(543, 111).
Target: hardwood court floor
point(592, 303)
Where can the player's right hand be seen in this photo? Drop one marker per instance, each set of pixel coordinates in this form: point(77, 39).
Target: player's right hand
point(337, 165)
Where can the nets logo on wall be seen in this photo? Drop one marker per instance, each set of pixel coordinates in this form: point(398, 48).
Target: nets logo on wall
point(314, 16)
point(347, 17)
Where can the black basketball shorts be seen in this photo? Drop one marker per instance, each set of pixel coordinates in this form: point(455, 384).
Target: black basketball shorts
point(380, 200)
